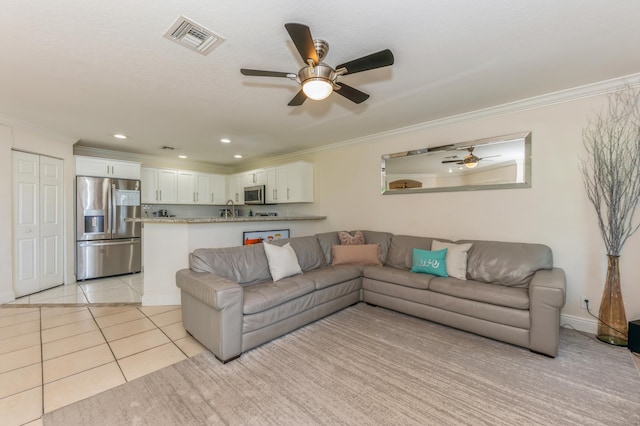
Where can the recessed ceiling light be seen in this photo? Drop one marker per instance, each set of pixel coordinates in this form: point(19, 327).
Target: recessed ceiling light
point(182, 156)
point(237, 156)
point(119, 136)
point(225, 140)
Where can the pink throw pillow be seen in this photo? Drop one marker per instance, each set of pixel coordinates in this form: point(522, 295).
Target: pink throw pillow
point(360, 254)
point(347, 239)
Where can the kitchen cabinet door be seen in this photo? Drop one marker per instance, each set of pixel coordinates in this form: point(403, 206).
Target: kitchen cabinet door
point(294, 183)
point(271, 189)
point(236, 184)
point(218, 189)
point(186, 187)
point(102, 167)
point(202, 188)
point(167, 186)
point(148, 185)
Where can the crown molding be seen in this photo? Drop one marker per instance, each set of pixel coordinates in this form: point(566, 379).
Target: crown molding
point(150, 160)
point(561, 96)
point(39, 130)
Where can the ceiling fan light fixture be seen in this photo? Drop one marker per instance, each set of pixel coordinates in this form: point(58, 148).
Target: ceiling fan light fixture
point(317, 88)
point(470, 164)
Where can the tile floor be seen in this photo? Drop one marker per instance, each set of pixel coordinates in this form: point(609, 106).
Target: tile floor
point(51, 356)
point(121, 289)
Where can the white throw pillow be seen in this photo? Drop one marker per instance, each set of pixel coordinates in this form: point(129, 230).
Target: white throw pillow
point(283, 261)
point(456, 259)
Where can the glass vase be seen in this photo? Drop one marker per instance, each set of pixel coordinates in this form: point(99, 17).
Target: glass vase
point(613, 327)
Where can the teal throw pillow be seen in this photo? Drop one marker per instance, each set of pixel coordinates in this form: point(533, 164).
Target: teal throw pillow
point(430, 262)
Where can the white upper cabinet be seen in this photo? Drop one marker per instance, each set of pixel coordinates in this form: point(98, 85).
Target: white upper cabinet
point(159, 186)
point(102, 167)
point(201, 188)
point(271, 190)
point(218, 189)
point(236, 185)
point(290, 183)
point(186, 187)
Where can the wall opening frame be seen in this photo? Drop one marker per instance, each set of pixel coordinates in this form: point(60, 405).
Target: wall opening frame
point(500, 162)
point(256, 237)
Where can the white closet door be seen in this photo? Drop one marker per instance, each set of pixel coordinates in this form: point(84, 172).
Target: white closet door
point(26, 177)
point(38, 222)
point(51, 222)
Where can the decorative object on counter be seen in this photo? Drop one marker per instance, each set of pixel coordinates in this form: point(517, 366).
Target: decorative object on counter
point(611, 173)
point(256, 237)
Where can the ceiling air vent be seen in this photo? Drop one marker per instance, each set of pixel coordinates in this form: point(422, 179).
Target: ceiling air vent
point(193, 36)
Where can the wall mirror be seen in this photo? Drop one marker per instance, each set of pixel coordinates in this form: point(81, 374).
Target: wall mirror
point(492, 163)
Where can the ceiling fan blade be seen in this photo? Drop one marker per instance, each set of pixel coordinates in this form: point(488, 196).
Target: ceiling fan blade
point(452, 161)
point(298, 99)
point(490, 156)
point(375, 60)
point(354, 95)
point(262, 73)
point(301, 36)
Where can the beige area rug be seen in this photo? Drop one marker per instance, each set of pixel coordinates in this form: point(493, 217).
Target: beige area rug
point(371, 366)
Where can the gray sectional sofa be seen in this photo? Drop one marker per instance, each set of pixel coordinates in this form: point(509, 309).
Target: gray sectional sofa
point(511, 292)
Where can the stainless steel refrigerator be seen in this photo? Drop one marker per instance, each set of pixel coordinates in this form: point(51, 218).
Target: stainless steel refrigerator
point(106, 245)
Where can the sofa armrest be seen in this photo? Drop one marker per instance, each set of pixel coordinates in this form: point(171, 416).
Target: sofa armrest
point(213, 290)
point(212, 312)
point(546, 297)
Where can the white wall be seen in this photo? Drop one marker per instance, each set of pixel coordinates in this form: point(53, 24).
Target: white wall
point(12, 137)
point(554, 211)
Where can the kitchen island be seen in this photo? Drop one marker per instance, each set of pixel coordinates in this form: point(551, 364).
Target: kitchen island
point(167, 242)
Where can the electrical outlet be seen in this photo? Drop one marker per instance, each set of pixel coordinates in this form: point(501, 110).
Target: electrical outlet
point(583, 302)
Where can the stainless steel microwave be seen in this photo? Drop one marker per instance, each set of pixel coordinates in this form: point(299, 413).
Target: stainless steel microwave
point(254, 194)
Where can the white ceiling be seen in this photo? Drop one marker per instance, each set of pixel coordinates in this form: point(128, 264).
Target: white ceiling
point(87, 70)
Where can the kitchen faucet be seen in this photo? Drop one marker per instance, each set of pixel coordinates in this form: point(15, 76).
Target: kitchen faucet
point(233, 209)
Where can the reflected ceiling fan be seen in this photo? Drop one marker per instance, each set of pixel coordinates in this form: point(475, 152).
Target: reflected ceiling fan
point(470, 160)
point(318, 79)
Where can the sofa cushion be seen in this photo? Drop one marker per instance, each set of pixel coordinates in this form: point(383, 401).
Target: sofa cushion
point(260, 297)
point(382, 238)
point(401, 250)
point(327, 240)
point(456, 259)
point(348, 239)
point(359, 254)
point(511, 297)
point(308, 251)
point(430, 262)
point(242, 264)
point(510, 264)
point(332, 275)
point(398, 276)
point(283, 261)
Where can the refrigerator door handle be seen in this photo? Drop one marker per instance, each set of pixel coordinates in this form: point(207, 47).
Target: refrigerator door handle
point(113, 209)
point(103, 243)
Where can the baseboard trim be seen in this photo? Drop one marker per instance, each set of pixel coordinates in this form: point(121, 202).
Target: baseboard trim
point(581, 324)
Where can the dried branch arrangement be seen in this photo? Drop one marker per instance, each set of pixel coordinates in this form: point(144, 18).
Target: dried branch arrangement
point(611, 171)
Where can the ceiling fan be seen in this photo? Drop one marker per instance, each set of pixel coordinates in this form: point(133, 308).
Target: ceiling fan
point(318, 79)
point(470, 160)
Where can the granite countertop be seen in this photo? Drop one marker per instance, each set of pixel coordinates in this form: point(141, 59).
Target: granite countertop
point(213, 219)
